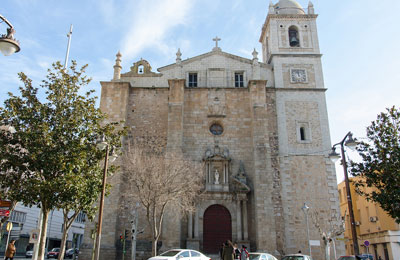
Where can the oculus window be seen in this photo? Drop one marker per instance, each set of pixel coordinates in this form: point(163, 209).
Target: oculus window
point(216, 129)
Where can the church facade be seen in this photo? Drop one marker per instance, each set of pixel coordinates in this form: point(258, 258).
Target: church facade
point(260, 127)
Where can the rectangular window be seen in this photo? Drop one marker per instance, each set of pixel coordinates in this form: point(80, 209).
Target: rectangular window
point(17, 216)
point(192, 79)
point(239, 80)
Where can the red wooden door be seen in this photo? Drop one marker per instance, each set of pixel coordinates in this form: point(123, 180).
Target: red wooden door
point(217, 228)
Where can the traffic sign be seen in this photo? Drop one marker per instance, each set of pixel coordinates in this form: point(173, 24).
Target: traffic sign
point(366, 243)
point(5, 203)
point(9, 226)
point(4, 212)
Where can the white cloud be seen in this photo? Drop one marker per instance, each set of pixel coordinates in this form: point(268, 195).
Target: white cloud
point(150, 22)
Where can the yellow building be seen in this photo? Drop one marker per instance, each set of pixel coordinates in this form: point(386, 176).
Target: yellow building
point(373, 224)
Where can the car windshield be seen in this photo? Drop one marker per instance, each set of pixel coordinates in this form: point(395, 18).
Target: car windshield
point(55, 250)
point(171, 253)
point(347, 258)
point(254, 256)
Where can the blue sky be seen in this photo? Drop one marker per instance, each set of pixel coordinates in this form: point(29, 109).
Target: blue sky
point(359, 40)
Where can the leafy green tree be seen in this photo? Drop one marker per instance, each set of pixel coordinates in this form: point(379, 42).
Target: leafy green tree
point(380, 166)
point(51, 159)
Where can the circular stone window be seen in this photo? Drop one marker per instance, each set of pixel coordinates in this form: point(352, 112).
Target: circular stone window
point(216, 129)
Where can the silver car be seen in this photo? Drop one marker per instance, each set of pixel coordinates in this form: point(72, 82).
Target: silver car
point(180, 254)
point(261, 256)
point(296, 257)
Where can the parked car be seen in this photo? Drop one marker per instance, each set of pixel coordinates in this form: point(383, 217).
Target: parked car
point(53, 253)
point(70, 252)
point(28, 254)
point(296, 257)
point(180, 254)
point(261, 256)
point(359, 257)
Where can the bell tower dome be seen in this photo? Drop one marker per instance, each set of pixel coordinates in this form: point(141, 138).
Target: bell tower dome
point(288, 7)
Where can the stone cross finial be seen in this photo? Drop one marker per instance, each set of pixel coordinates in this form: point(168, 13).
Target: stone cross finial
point(178, 56)
point(216, 39)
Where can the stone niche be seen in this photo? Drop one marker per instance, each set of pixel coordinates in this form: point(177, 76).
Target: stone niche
point(217, 169)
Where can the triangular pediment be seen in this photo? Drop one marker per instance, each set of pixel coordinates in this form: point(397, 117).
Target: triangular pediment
point(209, 55)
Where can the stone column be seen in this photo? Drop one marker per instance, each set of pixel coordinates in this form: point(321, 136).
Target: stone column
point(190, 225)
point(196, 225)
point(239, 220)
point(245, 223)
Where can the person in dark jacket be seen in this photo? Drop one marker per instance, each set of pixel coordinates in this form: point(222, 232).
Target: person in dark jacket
point(10, 252)
point(236, 251)
point(227, 253)
point(221, 251)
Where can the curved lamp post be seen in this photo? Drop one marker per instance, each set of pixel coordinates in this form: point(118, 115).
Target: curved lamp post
point(306, 208)
point(351, 143)
point(8, 44)
point(103, 145)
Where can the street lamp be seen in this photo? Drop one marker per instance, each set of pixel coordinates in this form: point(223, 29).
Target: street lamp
point(306, 208)
point(8, 44)
point(351, 143)
point(102, 144)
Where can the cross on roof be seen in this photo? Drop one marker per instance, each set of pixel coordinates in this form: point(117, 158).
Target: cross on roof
point(216, 39)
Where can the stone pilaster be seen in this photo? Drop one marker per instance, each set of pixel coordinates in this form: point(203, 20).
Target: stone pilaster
point(175, 114)
point(172, 228)
point(263, 180)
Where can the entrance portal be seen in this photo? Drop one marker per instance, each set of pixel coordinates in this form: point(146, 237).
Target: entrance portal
point(217, 228)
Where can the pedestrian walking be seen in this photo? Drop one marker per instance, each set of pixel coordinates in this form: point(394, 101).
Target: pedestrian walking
point(244, 255)
point(10, 252)
point(236, 251)
point(227, 253)
point(221, 251)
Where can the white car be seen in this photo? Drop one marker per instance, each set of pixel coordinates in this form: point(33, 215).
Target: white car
point(180, 254)
point(261, 256)
point(297, 257)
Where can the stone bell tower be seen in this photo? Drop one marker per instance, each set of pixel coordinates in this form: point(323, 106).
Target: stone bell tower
point(290, 45)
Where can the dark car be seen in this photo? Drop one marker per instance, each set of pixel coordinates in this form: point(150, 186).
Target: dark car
point(70, 253)
point(359, 257)
point(53, 253)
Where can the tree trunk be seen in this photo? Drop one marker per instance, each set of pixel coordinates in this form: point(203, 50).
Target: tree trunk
point(67, 225)
point(43, 234)
point(327, 250)
point(63, 241)
point(155, 247)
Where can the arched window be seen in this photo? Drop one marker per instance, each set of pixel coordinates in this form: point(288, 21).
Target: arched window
point(294, 39)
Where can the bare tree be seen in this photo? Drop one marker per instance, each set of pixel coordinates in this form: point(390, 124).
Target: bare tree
point(161, 180)
point(328, 229)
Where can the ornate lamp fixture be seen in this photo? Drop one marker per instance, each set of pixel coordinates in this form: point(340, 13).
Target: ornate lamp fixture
point(8, 44)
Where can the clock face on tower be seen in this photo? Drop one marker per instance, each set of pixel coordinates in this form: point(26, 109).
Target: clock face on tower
point(298, 76)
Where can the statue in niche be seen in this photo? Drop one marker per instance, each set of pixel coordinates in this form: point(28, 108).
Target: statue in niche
point(216, 177)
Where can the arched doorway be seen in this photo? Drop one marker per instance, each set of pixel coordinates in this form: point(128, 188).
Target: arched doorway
point(217, 228)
